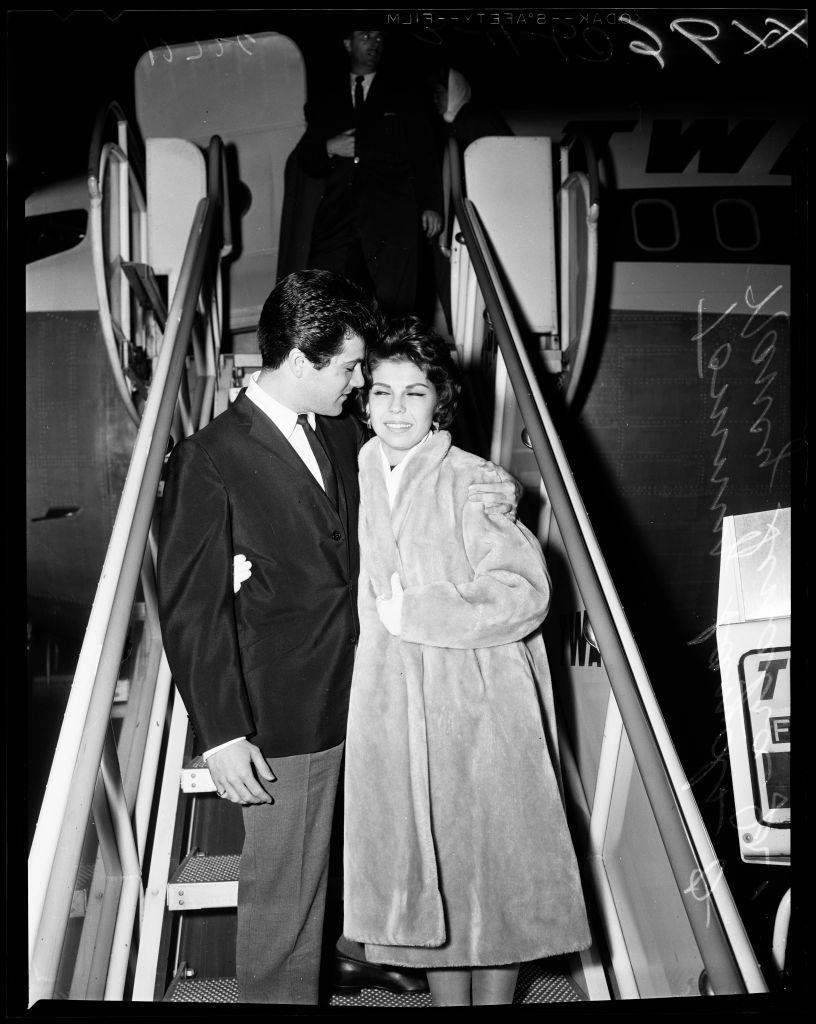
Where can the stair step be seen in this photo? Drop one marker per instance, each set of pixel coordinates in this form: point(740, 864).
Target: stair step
point(196, 778)
point(146, 290)
point(204, 881)
point(187, 988)
point(542, 981)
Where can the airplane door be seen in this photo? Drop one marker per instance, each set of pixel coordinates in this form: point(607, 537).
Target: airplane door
point(251, 91)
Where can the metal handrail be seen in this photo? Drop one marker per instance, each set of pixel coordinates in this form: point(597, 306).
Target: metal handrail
point(578, 359)
point(593, 177)
point(780, 931)
point(135, 148)
point(134, 159)
point(97, 199)
point(675, 811)
point(71, 783)
point(591, 182)
point(226, 203)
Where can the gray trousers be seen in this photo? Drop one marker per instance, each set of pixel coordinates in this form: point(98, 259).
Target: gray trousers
point(282, 881)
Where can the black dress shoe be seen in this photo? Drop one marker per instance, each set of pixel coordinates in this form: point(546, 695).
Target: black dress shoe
point(352, 975)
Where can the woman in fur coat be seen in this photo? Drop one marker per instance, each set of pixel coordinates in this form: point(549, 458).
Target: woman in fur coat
point(457, 854)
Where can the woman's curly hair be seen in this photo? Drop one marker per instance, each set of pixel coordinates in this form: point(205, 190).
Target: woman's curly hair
point(407, 338)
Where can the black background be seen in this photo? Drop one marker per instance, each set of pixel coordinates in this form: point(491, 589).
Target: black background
point(61, 66)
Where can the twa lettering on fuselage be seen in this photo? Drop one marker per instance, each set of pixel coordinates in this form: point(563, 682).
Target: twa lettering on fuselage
point(576, 651)
point(655, 152)
point(720, 147)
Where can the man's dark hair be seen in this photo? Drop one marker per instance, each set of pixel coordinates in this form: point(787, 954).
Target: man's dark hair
point(407, 338)
point(313, 310)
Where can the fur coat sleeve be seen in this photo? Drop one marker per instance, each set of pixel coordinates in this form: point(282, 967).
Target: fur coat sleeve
point(506, 599)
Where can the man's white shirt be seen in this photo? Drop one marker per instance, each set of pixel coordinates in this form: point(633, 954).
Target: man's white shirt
point(286, 422)
point(394, 474)
point(367, 80)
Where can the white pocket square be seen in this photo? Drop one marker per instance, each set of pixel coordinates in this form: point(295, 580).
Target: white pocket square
point(241, 572)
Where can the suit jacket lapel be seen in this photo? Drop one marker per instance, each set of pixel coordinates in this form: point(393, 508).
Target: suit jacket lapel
point(342, 106)
point(374, 98)
point(327, 440)
point(264, 431)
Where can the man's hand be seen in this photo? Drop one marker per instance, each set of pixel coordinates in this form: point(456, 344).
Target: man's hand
point(342, 144)
point(501, 497)
point(231, 771)
point(431, 223)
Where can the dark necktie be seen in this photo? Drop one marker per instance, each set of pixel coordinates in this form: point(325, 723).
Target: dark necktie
point(359, 98)
point(323, 461)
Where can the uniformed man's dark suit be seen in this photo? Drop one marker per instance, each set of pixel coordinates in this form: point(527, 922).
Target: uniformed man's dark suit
point(371, 205)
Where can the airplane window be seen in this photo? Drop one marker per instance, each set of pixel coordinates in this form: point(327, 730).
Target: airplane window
point(46, 234)
point(736, 224)
point(655, 225)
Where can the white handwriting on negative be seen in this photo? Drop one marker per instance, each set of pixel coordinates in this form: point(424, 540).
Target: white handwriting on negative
point(762, 356)
point(716, 363)
point(758, 323)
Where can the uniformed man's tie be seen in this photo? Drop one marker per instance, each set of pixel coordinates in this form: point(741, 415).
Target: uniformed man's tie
point(323, 461)
point(359, 97)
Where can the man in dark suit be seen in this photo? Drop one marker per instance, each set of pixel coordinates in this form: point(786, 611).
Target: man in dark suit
point(369, 140)
point(265, 672)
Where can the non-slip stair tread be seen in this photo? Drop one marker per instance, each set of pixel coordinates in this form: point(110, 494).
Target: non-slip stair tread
point(538, 983)
point(203, 990)
point(208, 868)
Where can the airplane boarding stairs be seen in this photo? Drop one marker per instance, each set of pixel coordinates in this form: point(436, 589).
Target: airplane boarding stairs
point(126, 856)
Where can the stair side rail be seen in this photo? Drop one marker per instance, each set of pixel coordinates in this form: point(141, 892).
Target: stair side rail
point(82, 752)
point(729, 960)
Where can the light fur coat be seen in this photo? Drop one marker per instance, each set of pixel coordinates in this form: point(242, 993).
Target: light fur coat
point(457, 851)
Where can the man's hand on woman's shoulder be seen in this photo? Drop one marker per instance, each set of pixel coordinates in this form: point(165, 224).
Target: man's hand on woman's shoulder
point(499, 497)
